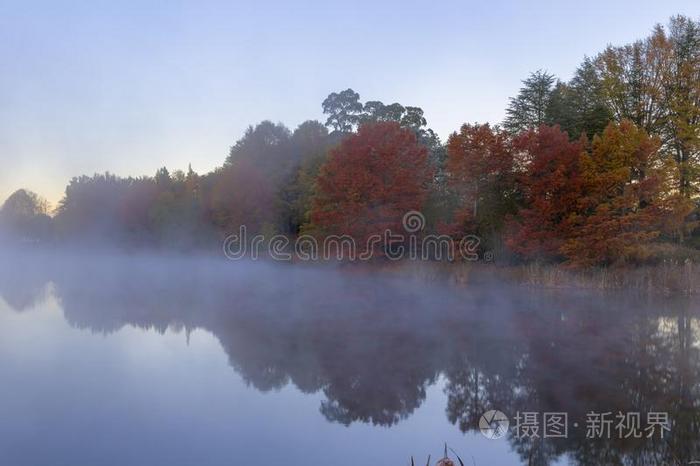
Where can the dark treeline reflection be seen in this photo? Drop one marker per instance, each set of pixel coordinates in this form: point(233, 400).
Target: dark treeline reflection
point(373, 345)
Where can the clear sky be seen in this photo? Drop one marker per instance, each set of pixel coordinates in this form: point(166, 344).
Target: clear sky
point(128, 87)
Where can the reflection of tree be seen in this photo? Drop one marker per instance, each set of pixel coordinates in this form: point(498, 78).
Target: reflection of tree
point(370, 368)
point(576, 357)
point(22, 284)
point(382, 383)
point(347, 338)
point(372, 347)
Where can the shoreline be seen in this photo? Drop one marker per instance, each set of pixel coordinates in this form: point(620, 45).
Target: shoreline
point(668, 278)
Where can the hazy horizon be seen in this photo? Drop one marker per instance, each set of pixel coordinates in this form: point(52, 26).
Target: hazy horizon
point(131, 88)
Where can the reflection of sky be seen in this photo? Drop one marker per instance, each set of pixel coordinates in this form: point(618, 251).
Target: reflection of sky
point(130, 86)
point(71, 397)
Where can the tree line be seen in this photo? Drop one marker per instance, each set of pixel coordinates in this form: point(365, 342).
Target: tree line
point(602, 169)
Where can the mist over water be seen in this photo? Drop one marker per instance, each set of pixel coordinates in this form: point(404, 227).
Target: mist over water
point(145, 359)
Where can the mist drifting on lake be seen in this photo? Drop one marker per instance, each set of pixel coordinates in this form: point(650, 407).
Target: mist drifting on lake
point(186, 358)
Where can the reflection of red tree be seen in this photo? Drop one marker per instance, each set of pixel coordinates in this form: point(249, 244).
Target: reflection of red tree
point(370, 181)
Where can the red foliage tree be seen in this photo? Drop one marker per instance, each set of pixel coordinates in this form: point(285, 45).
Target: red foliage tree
point(551, 184)
point(480, 173)
point(370, 181)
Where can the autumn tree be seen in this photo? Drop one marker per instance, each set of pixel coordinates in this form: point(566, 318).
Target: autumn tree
point(440, 200)
point(370, 181)
point(620, 211)
point(682, 95)
point(551, 184)
point(481, 174)
point(632, 81)
point(655, 83)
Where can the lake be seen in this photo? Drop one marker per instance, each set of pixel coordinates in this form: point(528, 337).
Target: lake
point(112, 359)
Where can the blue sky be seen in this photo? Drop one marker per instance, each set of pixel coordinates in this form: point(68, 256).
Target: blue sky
point(128, 87)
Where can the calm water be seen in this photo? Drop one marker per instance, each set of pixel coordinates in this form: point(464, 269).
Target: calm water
point(143, 361)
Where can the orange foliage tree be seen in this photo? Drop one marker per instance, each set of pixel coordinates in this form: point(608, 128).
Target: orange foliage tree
point(622, 209)
point(370, 181)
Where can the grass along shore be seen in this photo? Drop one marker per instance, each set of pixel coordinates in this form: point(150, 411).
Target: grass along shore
point(669, 278)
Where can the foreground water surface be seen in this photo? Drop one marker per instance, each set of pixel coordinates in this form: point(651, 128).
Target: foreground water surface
point(138, 360)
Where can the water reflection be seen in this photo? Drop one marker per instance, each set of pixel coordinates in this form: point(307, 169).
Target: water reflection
point(373, 345)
